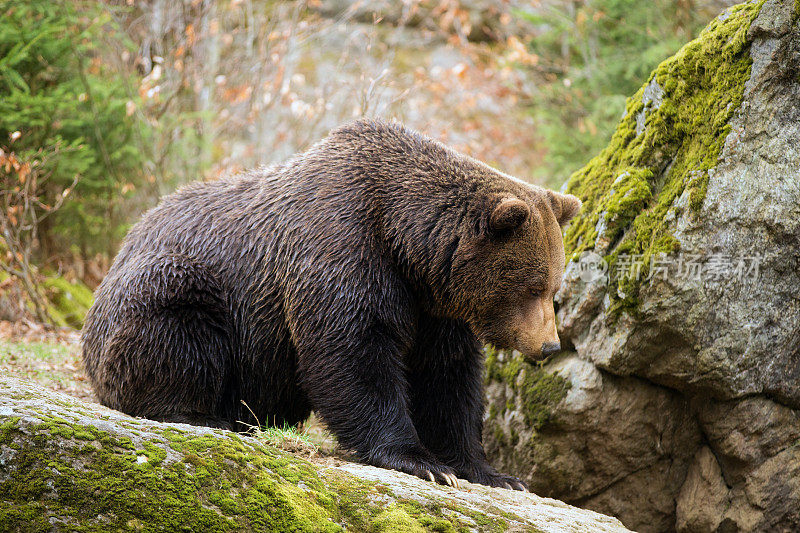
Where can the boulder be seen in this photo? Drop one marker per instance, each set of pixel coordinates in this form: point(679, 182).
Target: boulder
point(680, 305)
point(70, 465)
point(476, 20)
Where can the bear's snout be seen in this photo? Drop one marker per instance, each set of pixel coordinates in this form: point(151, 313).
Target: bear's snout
point(536, 335)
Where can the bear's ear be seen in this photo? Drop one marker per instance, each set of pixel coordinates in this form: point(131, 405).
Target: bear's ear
point(508, 215)
point(565, 206)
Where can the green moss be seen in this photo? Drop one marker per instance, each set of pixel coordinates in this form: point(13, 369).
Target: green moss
point(396, 519)
point(537, 390)
point(541, 392)
point(629, 193)
point(6, 430)
point(500, 436)
point(89, 480)
point(69, 301)
point(407, 515)
point(672, 133)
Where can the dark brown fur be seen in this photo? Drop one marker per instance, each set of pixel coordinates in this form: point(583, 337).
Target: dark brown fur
point(358, 280)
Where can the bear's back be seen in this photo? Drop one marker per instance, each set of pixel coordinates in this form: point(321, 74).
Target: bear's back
point(210, 221)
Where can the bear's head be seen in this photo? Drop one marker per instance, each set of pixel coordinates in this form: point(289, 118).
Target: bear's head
point(511, 268)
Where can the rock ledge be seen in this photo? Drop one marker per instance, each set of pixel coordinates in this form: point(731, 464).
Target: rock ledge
point(68, 464)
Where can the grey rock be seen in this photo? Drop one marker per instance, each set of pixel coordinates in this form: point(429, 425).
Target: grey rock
point(607, 444)
point(704, 497)
point(652, 98)
point(683, 415)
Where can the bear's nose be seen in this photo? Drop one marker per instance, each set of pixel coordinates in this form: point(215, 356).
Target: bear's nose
point(549, 348)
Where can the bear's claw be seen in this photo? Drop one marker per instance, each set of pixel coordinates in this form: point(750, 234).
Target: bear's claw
point(445, 478)
point(451, 479)
point(419, 463)
point(496, 479)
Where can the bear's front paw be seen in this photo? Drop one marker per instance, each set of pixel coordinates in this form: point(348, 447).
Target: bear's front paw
point(422, 465)
point(493, 478)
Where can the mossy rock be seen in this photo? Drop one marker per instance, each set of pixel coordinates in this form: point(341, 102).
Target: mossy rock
point(671, 134)
point(535, 391)
point(705, 168)
point(71, 465)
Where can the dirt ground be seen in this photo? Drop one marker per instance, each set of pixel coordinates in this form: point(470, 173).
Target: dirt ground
point(46, 356)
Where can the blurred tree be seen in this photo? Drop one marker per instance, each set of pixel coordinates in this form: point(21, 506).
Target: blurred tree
point(592, 55)
point(58, 97)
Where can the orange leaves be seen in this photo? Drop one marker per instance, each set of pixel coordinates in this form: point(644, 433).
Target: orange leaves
point(96, 66)
point(460, 70)
point(190, 35)
point(16, 178)
point(23, 172)
point(451, 16)
point(518, 52)
point(10, 161)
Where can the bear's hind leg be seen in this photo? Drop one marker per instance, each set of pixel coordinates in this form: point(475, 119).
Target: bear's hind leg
point(167, 354)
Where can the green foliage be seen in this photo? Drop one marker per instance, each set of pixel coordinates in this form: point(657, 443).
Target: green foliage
point(595, 53)
point(69, 301)
point(69, 109)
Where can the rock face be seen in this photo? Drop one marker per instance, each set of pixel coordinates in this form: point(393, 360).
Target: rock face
point(681, 391)
point(70, 465)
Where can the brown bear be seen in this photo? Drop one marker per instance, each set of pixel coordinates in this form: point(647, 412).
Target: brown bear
point(358, 280)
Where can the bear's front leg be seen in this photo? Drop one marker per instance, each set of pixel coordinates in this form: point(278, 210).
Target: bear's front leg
point(445, 372)
point(355, 382)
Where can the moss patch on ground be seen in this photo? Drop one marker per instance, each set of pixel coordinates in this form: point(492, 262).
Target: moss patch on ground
point(537, 391)
point(672, 133)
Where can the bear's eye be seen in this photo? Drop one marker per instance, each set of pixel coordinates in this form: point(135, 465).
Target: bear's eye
point(535, 291)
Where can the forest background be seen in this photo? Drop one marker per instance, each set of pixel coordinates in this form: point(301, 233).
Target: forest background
point(105, 106)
